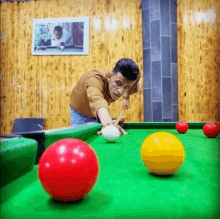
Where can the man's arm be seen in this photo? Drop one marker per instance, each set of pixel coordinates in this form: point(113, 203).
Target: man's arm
point(127, 96)
point(104, 116)
point(98, 105)
point(66, 36)
point(135, 88)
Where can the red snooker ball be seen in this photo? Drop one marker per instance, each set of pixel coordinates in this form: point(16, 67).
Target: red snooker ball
point(218, 127)
point(210, 130)
point(68, 169)
point(182, 127)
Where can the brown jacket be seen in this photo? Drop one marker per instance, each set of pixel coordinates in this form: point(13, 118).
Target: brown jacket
point(92, 92)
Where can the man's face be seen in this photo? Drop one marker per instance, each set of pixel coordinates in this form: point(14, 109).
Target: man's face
point(58, 34)
point(118, 85)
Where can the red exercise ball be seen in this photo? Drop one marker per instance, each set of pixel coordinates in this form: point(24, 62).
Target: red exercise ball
point(68, 169)
point(182, 127)
point(210, 130)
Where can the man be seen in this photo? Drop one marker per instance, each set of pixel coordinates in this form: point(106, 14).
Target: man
point(97, 89)
point(62, 37)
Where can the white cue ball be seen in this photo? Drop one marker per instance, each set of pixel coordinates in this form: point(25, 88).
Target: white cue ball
point(110, 133)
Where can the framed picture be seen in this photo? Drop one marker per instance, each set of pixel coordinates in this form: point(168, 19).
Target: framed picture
point(61, 36)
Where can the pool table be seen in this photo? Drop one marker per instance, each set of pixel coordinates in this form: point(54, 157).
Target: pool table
point(55, 50)
point(125, 188)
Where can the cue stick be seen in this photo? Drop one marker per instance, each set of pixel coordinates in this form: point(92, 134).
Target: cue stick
point(40, 126)
point(119, 118)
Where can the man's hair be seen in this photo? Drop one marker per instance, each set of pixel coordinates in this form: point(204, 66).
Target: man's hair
point(127, 68)
point(58, 28)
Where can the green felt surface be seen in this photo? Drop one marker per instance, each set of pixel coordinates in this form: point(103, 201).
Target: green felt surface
point(17, 157)
point(81, 132)
point(125, 188)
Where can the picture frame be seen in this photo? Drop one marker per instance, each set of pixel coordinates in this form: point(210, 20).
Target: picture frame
point(61, 36)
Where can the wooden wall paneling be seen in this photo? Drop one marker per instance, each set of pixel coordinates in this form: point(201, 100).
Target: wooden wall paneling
point(29, 67)
point(56, 86)
point(99, 38)
point(138, 58)
point(25, 96)
point(41, 104)
point(190, 65)
point(120, 46)
point(212, 84)
point(51, 82)
point(34, 8)
point(63, 100)
point(126, 22)
point(77, 62)
point(199, 30)
point(10, 69)
point(197, 60)
point(6, 78)
point(2, 76)
point(89, 12)
point(22, 98)
point(65, 114)
point(13, 83)
point(69, 80)
point(217, 56)
point(75, 70)
point(130, 46)
point(27, 92)
point(6, 116)
point(52, 73)
point(44, 90)
point(181, 18)
point(56, 90)
point(196, 72)
point(191, 71)
point(3, 52)
point(36, 65)
point(214, 42)
point(117, 45)
point(93, 48)
point(42, 84)
point(113, 34)
point(45, 72)
point(17, 79)
point(107, 21)
point(9, 96)
point(95, 26)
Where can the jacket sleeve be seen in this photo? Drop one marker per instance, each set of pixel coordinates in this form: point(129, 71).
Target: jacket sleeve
point(95, 92)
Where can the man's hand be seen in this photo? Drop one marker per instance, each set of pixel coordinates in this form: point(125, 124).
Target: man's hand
point(119, 126)
point(126, 103)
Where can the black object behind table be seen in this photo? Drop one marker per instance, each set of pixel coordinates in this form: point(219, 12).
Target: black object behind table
point(37, 136)
point(23, 125)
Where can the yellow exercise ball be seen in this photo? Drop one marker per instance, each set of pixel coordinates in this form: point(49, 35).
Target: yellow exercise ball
point(162, 153)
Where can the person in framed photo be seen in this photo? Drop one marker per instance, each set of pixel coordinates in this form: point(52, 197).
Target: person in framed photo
point(62, 38)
